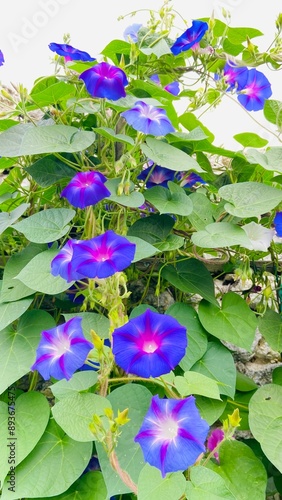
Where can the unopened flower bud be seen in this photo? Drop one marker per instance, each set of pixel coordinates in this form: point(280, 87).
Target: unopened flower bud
point(122, 419)
point(234, 419)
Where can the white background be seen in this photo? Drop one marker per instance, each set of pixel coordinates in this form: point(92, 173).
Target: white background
point(27, 27)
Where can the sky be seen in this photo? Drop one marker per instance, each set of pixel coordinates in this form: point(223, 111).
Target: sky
point(30, 26)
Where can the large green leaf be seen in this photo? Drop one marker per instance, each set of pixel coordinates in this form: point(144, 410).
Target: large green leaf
point(273, 112)
point(151, 485)
point(201, 215)
point(237, 461)
point(133, 199)
point(270, 326)
point(137, 399)
point(52, 94)
point(265, 418)
point(210, 409)
point(240, 35)
point(143, 248)
point(218, 364)
point(156, 230)
point(167, 156)
point(191, 276)
point(49, 170)
point(37, 274)
point(250, 140)
point(110, 133)
point(205, 484)
point(9, 218)
point(31, 414)
point(220, 234)
point(233, 322)
point(197, 337)
point(9, 311)
point(46, 225)
point(26, 139)
point(249, 199)
point(53, 465)
point(74, 414)
point(190, 122)
point(90, 486)
point(169, 200)
point(80, 381)
point(18, 347)
point(196, 383)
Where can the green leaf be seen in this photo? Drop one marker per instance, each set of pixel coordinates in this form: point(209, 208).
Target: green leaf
point(9, 311)
point(80, 381)
point(197, 338)
point(277, 375)
point(160, 49)
point(232, 49)
point(49, 170)
point(273, 112)
point(240, 35)
point(167, 156)
point(271, 160)
point(244, 383)
point(220, 234)
point(37, 274)
point(47, 225)
point(265, 418)
point(53, 465)
point(218, 364)
point(143, 248)
point(169, 200)
point(191, 276)
point(110, 133)
point(201, 216)
point(249, 139)
point(29, 419)
point(196, 383)
point(74, 414)
point(53, 94)
point(270, 326)
point(250, 199)
point(156, 230)
point(173, 242)
point(234, 322)
point(92, 321)
point(18, 347)
point(137, 399)
point(12, 288)
point(151, 485)
point(115, 49)
point(206, 484)
point(26, 139)
point(9, 218)
point(210, 409)
point(190, 122)
point(237, 461)
point(133, 199)
point(90, 486)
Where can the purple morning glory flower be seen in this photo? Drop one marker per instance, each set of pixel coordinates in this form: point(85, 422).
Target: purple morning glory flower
point(86, 188)
point(2, 60)
point(105, 80)
point(131, 32)
point(148, 119)
point(190, 37)
point(102, 256)
point(173, 87)
point(255, 91)
point(159, 175)
point(214, 439)
point(62, 266)
point(69, 52)
point(62, 350)
point(278, 224)
point(188, 181)
point(235, 76)
point(149, 345)
point(173, 434)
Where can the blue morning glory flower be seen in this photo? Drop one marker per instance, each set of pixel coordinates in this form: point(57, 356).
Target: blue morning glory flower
point(234, 76)
point(85, 189)
point(173, 87)
point(278, 224)
point(255, 91)
point(190, 37)
point(2, 60)
point(159, 176)
point(131, 32)
point(69, 52)
point(189, 180)
point(148, 119)
point(62, 266)
point(105, 80)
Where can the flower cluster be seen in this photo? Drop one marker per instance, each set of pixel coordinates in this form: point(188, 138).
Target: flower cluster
point(85, 189)
point(99, 257)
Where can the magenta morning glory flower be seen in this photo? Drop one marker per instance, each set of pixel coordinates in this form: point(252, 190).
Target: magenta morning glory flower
point(2, 60)
point(149, 345)
point(131, 32)
point(255, 91)
point(62, 350)
point(188, 181)
point(102, 256)
point(105, 80)
point(85, 189)
point(214, 439)
point(173, 87)
point(173, 434)
point(61, 265)
point(148, 119)
point(190, 37)
point(159, 176)
point(278, 224)
point(235, 76)
point(69, 52)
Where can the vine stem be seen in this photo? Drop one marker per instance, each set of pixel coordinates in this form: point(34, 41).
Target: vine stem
point(125, 477)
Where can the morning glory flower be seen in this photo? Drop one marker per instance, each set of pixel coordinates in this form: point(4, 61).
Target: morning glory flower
point(149, 345)
point(278, 223)
point(102, 256)
point(2, 60)
point(159, 175)
point(235, 76)
point(148, 119)
point(70, 53)
point(190, 180)
point(62, 350)
point(105, 80)
point(130, 34)
point(85, 189)
point(62, 266)
point(173, 434)
point(260, 237)
point(173, 87)
point(190, 37)
point(255, 91)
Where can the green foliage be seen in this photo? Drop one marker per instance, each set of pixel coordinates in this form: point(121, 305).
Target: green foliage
point(151, 486)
